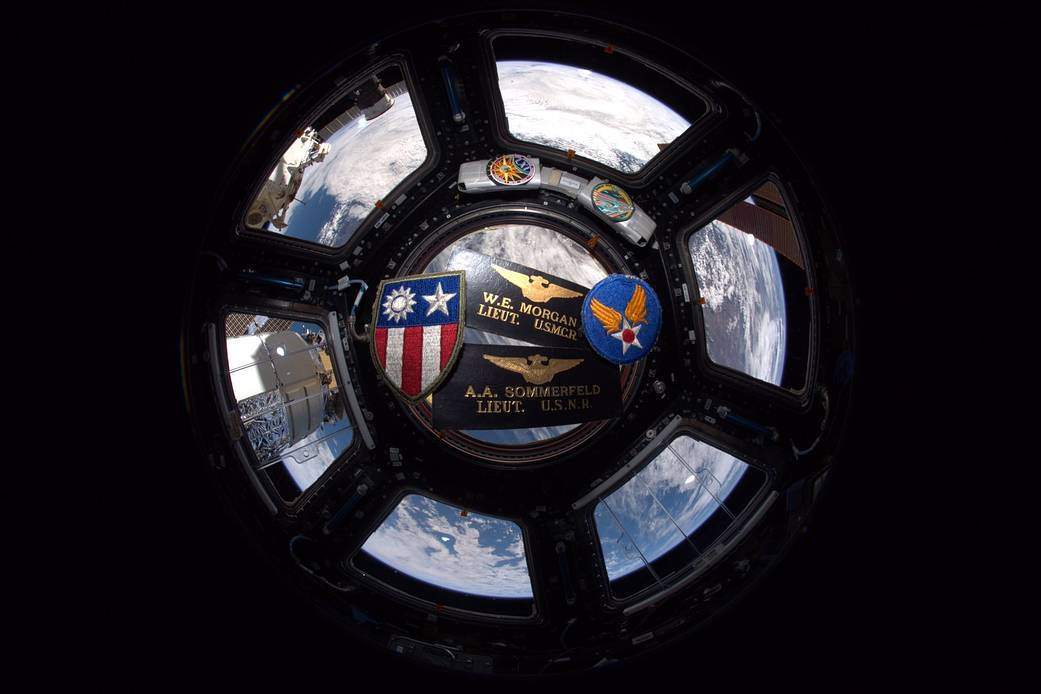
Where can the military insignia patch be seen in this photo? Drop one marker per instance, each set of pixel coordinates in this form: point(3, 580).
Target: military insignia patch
point(418, 330)
point(621, 318)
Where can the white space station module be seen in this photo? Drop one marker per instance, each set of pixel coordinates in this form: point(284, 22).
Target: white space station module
point(281, 186)
point(282, 389)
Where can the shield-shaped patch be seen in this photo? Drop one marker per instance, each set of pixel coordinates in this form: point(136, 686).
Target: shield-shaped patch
point(418, 330)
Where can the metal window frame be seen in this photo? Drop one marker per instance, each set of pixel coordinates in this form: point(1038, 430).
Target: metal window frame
point(742, 524)
point(262, 483)
point(799, 399)
point(426, 127)
point(443, 608)
point(655, 166)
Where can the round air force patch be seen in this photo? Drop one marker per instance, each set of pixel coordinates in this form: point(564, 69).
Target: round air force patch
point(621, 318)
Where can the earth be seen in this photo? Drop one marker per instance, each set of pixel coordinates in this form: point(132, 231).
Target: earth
point(366, 161)
point(598, 116)
point(739, 278)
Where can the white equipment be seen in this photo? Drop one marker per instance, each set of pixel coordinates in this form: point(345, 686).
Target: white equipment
point(277, 382)
point(281, 186)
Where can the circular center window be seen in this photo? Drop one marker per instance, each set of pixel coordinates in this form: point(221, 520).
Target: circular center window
point(550, 251)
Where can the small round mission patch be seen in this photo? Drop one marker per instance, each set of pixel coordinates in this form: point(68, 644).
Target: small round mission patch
point(613, 202)
point(621, 318)
point(511, 170)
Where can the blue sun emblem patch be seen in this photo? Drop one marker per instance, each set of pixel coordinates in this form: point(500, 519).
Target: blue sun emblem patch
point(621, 318)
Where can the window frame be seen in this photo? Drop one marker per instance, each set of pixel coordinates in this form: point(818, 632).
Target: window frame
point(430, 141)
point(572, 227)
point(455, 610)
point(224, 386)
point(744, 522)
point(655, 166)
point(799, 399)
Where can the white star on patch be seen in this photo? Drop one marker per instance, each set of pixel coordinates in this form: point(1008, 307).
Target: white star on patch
point(438, 301)
point(633, 332)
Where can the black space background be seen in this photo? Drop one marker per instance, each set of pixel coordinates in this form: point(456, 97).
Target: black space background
point(876, 595)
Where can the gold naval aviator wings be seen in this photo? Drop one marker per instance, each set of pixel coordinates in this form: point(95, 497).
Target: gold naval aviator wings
point(535, 287)
point(517, 387)
point(536, 369)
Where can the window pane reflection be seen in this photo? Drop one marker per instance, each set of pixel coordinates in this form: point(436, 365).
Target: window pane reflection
point(664, 505)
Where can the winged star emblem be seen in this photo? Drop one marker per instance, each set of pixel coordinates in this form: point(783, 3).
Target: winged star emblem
point(625, 329)
point(536, 369)
point(536, 288)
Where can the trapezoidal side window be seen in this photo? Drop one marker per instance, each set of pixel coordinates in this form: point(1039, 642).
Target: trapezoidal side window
point(752, 285)
point(586, 99)
point(293, 416)
point(444, 555)
point(671, 512)
point(331, 176)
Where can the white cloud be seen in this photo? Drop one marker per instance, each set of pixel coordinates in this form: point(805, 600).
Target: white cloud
point(533, 246)
point(740, 280)
point(366, 161)
point(484, 557)
point(599, 117)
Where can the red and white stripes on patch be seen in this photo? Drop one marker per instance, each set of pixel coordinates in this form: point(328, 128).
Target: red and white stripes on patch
point(413, 358)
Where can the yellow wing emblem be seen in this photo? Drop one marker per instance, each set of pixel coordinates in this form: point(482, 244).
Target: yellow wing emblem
point(517, 364)
point(611, 319)
point(636, 309)
point(535, 288)
point(536, 369)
